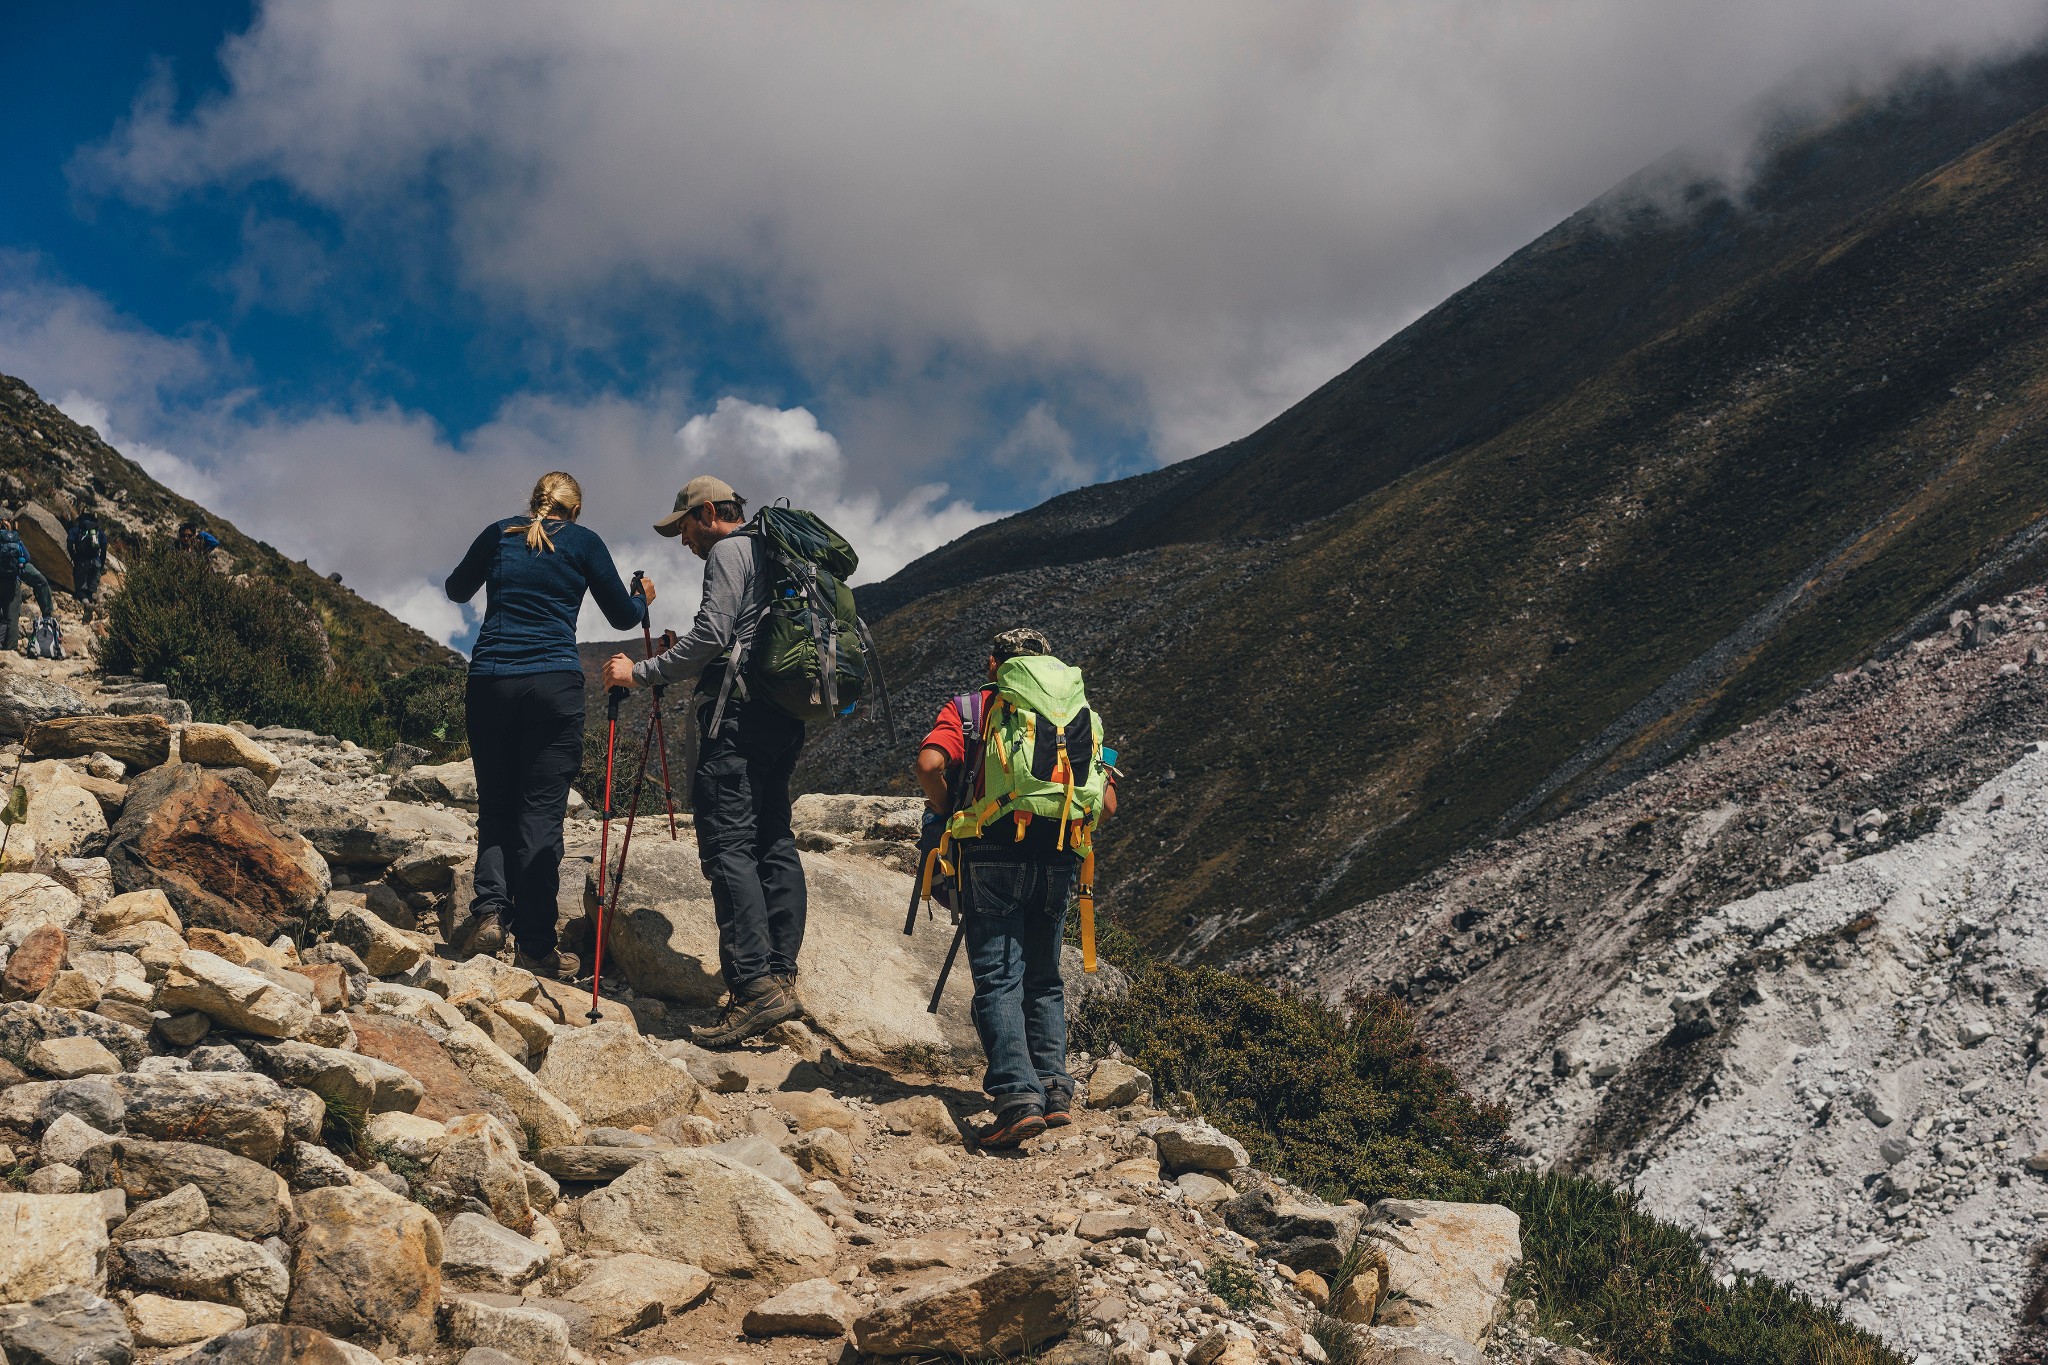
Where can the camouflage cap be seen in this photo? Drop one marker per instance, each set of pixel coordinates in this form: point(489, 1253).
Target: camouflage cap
point(1022, 640)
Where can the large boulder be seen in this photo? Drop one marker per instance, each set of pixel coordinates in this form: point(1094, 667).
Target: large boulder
point(64, 819)
point(243, 1199)
point(29, 699)
point(411, 1049)
point(479, 1159)
point(1008, 1310)
point(374, 837)
point(235, 1111)
point(367, 1266)
point(275, 1344)
point(454, 783)
point(50, 1242)
point(138, 741)
point(626, 1293)
point(23, 1024)
point(236, 997)
point(478, 1251)
point(1307, 1236)
point(612, 1076)
point(546, 1120)
point(206, 1265)
point(346, 1078)
point(708, 1210)
point(48, 544)
point(862, 980)
point(29, 900)
point(1447, 1264)
point(69, 1327)
point(212, 839)
point(223, 746)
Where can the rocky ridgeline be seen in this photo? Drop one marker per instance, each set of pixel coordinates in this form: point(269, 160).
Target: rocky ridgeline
point(1791, 988)
point(251, 1111)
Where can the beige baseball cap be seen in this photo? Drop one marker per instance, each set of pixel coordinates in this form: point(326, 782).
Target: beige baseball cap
point(698, 491)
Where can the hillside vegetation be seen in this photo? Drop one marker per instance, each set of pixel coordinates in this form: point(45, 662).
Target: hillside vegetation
point(1651, 476)
point(46, 456)
point(269, 640)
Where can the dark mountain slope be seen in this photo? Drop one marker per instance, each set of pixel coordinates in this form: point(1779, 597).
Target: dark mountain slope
point(1556, 313)
point(1769, 485)
point(50, 458)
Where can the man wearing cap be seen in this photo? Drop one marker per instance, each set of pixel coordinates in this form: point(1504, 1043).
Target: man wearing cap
point(740, 788)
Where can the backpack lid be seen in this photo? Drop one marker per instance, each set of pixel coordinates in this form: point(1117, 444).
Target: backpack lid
point(1041, 683)
point(796, 534)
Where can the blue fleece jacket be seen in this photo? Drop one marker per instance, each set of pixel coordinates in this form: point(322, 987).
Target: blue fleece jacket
point(530, 610)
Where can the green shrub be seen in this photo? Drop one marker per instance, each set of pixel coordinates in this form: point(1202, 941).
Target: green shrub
point(1347, 1105)
point(1350, 1104)
point(427, 707)
point(237, 650)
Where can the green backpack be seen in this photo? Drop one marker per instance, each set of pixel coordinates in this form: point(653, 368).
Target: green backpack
point(810, 655)
point(1043, 756)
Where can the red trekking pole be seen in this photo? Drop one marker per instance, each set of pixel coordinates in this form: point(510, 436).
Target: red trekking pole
point(611, 748)
point(668, 638)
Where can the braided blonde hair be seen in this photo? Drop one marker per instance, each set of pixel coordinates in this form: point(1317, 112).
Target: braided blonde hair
point(555, 495)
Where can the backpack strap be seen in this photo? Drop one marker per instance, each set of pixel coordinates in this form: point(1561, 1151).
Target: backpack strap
point(737, 661)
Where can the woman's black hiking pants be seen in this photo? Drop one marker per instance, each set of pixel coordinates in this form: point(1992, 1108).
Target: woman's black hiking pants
point(526, 737)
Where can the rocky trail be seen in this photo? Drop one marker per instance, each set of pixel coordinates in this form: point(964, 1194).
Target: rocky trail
point(251, 1109)
point(1789, 989)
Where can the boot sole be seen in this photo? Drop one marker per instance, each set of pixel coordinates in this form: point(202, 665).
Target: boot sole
point(1014, 1134)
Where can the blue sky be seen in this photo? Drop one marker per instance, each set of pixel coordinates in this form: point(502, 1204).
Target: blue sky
point(354, 272)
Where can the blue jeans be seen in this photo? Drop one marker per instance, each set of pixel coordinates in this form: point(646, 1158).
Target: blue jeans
point(1015, 919)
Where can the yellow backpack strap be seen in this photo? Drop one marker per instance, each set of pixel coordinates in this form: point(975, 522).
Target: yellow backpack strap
point(1087, 902)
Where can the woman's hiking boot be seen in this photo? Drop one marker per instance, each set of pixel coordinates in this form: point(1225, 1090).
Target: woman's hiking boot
point(1013, 1127)
point(487, 937)
point(553, 964)
point(764, 1004)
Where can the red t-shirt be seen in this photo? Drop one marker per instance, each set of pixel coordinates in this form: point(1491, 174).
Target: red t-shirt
point(949, 731)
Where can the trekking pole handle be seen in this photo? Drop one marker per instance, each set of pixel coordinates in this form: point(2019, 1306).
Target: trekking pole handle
point(614, 699)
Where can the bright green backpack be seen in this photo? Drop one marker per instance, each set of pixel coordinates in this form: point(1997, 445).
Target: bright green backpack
point(1042, 758)
point(810, 655)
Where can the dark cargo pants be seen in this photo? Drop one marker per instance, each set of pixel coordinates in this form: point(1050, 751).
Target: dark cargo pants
point(526, 736)
point(740, 799)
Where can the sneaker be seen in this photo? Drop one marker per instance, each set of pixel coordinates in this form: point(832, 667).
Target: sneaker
point(554, 964)
point(1013, 1127)
point(1059, 1109)
point(487, 938)
point(750, 1016)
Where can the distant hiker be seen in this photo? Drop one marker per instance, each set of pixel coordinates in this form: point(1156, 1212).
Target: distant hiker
point(19, 577)
point(525, 708)
point(740, 789)
point(87, 546)
point(1035, 787)
point(193, 535)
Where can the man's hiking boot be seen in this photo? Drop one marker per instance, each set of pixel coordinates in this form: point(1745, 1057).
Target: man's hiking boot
point(1059, 1109)
point(1013, 1128)
point(487, 938)
point(554, 964)
point(751, 1015)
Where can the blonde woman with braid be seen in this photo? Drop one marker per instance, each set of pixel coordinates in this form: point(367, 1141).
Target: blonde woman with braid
point(525, 708)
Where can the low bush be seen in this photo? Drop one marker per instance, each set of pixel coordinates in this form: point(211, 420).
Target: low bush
point(244, 648)
point(1350, 1104)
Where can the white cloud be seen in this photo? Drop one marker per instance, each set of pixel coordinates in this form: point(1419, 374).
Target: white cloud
point(1216, 204)
point(391, 501)
point(1043, 450)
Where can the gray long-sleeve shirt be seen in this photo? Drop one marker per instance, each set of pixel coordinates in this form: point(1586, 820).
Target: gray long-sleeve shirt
point(735, 597)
